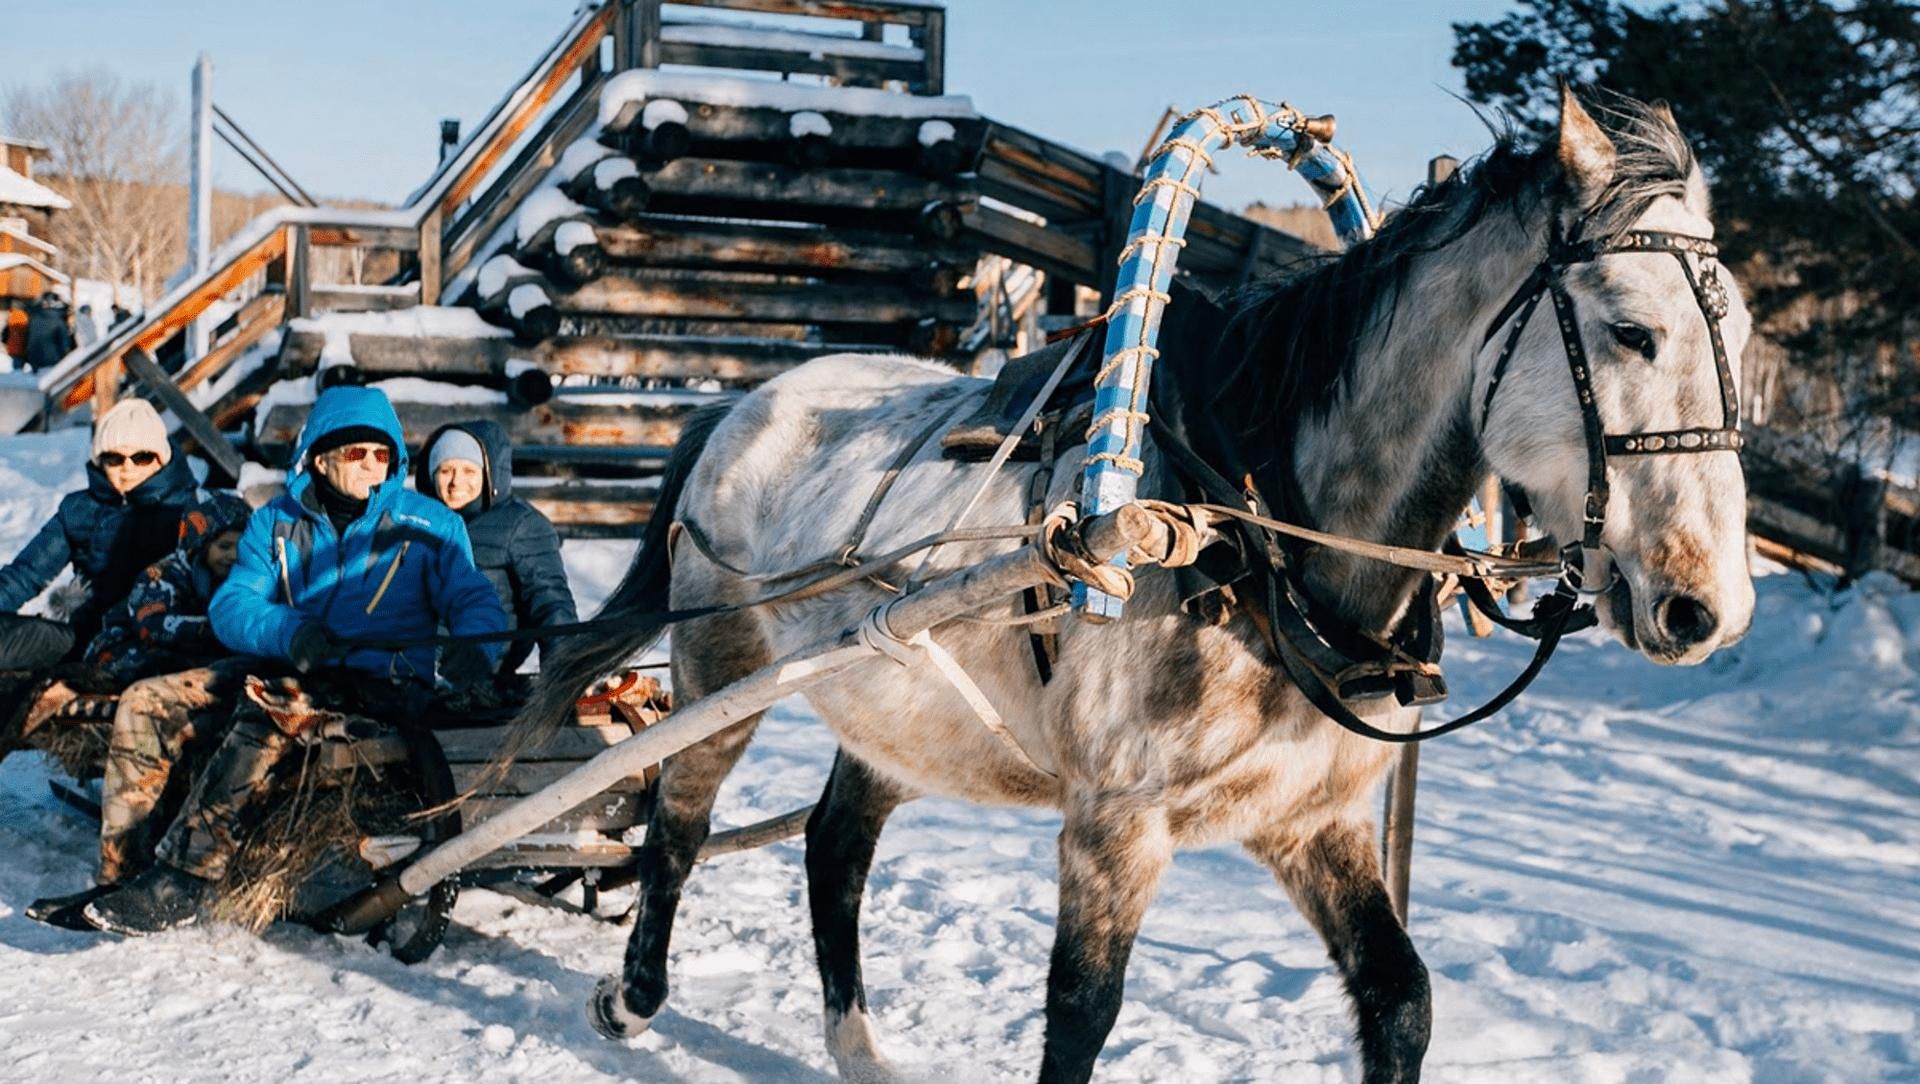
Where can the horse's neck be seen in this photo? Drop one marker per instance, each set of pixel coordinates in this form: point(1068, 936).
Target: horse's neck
point(1396, 456)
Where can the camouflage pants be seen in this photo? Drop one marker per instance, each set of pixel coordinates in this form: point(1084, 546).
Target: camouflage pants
point(275, 717)
point(158, 721)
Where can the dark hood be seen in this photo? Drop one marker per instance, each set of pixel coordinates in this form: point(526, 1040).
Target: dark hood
point(217, 514)
point(497, 470)
point(172, 485)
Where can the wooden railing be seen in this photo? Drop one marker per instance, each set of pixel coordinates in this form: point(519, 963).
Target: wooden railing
point(274, 248)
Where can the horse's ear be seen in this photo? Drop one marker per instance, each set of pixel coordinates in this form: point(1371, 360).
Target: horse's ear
point(1585, 153)
point(1664, 113)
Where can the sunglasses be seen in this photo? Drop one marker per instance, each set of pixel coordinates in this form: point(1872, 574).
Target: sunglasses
point(355, 455)
point(120, 459)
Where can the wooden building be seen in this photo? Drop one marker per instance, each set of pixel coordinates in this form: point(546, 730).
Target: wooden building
point(27, 263)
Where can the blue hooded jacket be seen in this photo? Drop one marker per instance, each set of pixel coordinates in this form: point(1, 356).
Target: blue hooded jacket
point(398, 572)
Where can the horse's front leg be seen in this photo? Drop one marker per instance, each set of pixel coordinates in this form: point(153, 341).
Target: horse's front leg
point(1334, 879)
point(1112, 852)
point(841, 836)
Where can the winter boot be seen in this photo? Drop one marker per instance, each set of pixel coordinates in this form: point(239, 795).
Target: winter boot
point(163, 898)
point(65, 911)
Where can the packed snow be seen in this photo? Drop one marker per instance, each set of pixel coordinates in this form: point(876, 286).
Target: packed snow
point(645, 84)
point(544, 205)
point(579, 154)
point(525, 298)
point(935, 131)
point(1636, 874)
point(503, 269)
point(569, 236)
point(611, 171)
point(662, 111)
point(815, 46)
point(23, 191)
point(809, 123)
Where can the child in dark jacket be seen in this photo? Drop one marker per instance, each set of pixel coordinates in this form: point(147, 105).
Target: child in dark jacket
point(127, 518)
point(469, 467)
point(162, 627)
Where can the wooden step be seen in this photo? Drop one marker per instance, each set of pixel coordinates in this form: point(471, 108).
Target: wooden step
point(637, 295)
point(731, 359)
point(768, 190)
point(931, 146)
point(812, 250)
point(344, 298)
point(637, 419)
point(593, 509)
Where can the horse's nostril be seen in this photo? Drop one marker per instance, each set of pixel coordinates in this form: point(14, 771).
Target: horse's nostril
point(1687, 620)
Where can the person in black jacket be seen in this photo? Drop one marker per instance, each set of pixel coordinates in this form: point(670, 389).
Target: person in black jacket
point(49, 337)
point(469, 467)
point(128, 517)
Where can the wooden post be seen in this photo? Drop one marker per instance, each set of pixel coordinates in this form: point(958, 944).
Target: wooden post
point(198, 425)
point(106, 386)
point(646, 33)
point(430, 259)
point(300, 273)
point(622, 31)
point(933, 45)
point(200, 197)
point(1398, 847)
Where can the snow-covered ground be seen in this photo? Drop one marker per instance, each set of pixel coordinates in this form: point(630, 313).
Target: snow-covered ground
point(1636, 875)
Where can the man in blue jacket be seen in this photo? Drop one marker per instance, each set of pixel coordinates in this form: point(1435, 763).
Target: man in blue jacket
point(346, 556)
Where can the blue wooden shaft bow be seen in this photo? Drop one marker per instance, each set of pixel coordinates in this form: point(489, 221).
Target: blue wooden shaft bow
point(1154, 239)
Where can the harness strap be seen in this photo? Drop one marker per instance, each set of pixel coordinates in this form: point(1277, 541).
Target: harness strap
point(875, 633)
point(1320, 692)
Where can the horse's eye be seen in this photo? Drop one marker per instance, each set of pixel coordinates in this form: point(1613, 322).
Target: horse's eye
point(1634, 338)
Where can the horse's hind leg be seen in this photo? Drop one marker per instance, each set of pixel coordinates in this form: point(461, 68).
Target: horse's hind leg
point(706, 656)
point(841, 836)
point(1334, 879)
point(1112, 852)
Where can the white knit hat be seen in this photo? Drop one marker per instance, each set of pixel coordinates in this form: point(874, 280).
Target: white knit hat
point(133, 425)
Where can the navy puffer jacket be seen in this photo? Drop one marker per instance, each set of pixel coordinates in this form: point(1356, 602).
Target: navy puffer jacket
point(107, 538)
point(514, 546)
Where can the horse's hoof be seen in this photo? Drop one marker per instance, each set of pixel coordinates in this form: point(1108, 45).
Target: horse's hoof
point(608, 1013)
point(851, 1041)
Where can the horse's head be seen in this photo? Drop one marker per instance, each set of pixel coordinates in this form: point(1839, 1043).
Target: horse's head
point(1634, 308)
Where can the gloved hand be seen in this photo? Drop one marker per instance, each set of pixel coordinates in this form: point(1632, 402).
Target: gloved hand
point(313, 647)
point(464, 666)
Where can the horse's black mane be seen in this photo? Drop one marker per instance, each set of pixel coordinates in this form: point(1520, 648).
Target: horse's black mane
point(1279, 350)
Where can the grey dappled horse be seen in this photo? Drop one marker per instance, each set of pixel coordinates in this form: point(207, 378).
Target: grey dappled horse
point(1364, 377)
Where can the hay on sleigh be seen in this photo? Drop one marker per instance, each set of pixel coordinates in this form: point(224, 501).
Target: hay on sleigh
point(316, 816)
point(78, 746)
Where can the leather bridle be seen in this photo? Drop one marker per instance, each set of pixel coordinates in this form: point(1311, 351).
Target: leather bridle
point(1549, 280)
point(1562, 611)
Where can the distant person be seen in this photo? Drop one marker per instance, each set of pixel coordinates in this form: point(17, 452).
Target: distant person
point(85, 331)
point(17, 337)
point(469, 466)
point(49, 338)
point(120, 315)
point(126, 518)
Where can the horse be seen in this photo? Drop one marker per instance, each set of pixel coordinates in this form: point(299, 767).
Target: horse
point(1362, 384)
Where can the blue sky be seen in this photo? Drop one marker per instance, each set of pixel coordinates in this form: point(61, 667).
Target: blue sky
point(348, 94)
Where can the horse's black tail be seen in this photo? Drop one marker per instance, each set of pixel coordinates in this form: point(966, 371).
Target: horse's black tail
point(641, 596)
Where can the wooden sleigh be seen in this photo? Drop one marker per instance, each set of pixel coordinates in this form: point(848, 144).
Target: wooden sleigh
point(363, 801)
